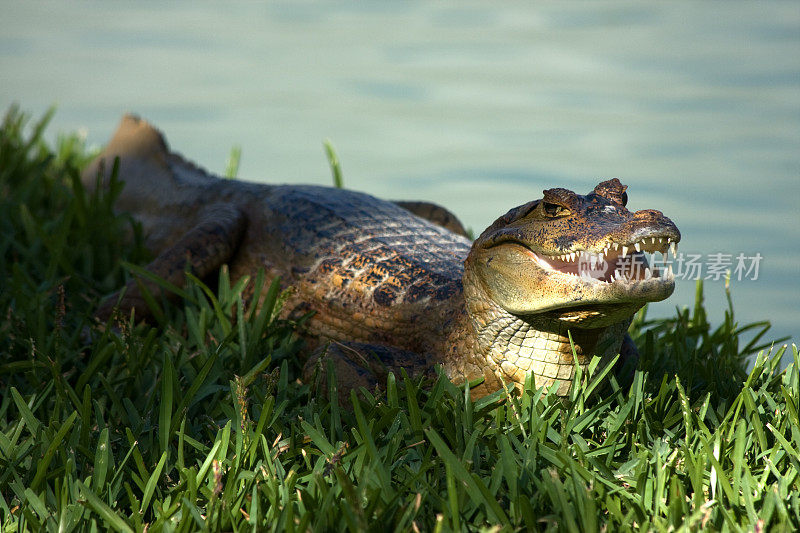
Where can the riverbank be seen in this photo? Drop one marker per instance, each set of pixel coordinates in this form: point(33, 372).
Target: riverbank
point(200, 421)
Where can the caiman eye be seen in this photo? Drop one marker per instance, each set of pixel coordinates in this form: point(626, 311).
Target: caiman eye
point(624, 199)
point(554, 210)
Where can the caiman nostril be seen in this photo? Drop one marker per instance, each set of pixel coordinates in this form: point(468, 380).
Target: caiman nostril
point(649, 214)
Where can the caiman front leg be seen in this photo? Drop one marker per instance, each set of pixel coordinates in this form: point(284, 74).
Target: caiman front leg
point(359, 365)
point(204, 248)
point(628, 360)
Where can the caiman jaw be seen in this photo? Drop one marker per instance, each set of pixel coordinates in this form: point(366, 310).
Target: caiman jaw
point(615, 263)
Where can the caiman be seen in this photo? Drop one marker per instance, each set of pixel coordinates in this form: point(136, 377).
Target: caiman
point(390, 289)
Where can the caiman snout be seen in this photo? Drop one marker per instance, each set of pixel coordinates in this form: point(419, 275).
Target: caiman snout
point(649, 224)
point(651, 215)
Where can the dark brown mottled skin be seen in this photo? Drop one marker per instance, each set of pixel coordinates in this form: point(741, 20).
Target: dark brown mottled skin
point(392, 289)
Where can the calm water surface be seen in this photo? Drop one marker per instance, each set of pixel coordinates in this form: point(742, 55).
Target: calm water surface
point(696, 106)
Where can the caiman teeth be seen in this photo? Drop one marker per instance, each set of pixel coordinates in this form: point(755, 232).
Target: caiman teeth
point(651, 245)
point(616, 262)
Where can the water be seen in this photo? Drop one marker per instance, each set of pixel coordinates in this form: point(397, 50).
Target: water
point(478, 107)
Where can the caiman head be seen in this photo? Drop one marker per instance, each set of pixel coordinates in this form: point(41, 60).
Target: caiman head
point(561, 277)
point(574, 259)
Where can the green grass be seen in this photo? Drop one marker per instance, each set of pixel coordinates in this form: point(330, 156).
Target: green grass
point(201, 422)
